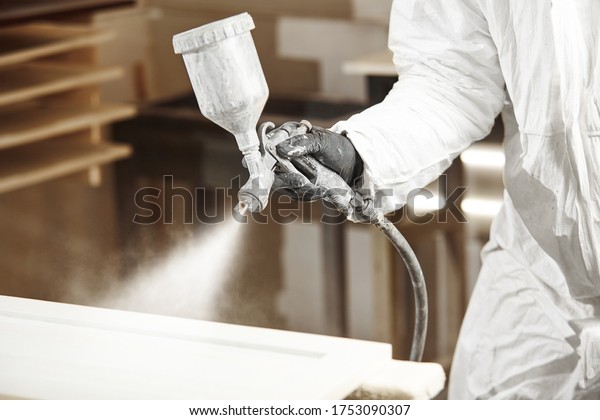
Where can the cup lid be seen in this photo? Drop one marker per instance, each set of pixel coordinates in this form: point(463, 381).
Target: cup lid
point(212, 33)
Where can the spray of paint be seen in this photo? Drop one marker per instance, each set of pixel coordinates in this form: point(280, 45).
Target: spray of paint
point(186, 282)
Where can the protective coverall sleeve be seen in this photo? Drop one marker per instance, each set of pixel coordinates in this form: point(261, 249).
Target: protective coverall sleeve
point(449, 90)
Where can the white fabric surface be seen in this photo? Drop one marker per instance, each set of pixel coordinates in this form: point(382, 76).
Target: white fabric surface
point(533, 326)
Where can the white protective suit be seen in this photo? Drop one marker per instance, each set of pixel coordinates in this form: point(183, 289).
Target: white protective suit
point(532, 329)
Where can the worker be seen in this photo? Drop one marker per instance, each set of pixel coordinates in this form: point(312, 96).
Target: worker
point(532, 328)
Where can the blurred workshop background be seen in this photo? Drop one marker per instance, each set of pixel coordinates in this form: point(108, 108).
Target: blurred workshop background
point(94, 106)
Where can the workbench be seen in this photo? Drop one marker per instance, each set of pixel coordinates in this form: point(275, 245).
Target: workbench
point(53, 350)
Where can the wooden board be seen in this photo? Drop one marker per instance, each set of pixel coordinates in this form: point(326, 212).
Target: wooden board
point(378, 64)
point(313, 8)
point(131, 50)
point(27, 42)
point(29, 81)
point(30, 9)
point(34, 122)
point(28, 165)
point(376, 11)
point(59, 351)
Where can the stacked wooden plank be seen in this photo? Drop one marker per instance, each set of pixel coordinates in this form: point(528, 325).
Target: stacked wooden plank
point(53, 146)
point(51, 117)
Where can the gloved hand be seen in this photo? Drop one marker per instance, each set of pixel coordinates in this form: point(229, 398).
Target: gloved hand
point(331, 149)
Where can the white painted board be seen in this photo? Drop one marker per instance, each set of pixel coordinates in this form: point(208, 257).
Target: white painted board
point(58, 351)
point(375, 64)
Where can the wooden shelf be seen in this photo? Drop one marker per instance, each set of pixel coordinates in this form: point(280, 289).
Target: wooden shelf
point(51, 116)
point(30, 9)
point(28, 42)
point(29, 165)
point(29, 81)
point(32, 122)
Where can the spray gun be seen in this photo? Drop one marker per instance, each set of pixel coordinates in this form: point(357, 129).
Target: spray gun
point(231, 90)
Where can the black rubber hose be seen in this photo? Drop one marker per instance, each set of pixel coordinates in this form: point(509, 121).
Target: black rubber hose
point(418, 284)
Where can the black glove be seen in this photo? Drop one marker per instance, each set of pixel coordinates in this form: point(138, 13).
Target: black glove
point(331, 149)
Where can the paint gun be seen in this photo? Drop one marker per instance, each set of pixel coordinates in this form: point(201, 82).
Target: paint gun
point(231, 90)
point(331, 186)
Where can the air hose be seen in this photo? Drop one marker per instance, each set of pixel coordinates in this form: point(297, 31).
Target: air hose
point(418, 284)
point(364, 211)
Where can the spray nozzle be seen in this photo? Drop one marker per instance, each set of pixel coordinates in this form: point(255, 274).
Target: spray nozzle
point(242, 208)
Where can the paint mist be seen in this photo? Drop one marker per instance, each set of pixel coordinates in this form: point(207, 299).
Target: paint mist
point(186, 282)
